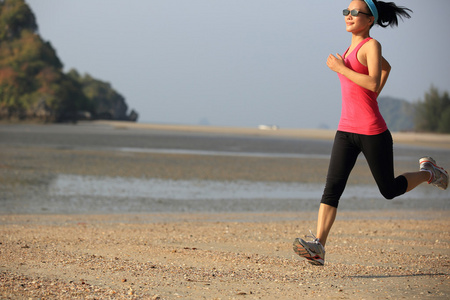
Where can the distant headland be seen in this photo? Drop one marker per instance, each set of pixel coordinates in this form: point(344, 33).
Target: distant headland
point(33, 85)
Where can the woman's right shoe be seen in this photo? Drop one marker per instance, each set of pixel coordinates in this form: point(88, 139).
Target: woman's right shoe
point(313, 251)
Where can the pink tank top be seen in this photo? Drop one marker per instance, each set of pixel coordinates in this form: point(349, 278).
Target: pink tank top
point(360, 113)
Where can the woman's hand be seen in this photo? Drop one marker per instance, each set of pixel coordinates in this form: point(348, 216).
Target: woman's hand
point(369, 54)
point(335, 63)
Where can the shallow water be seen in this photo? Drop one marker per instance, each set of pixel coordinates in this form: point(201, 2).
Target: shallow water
point(99, 194)
point(117, 187)
point(67, 193)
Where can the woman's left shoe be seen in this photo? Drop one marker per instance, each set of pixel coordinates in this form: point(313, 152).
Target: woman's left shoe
point(439, 177)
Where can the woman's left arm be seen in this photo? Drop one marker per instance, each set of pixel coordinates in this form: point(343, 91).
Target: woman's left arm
point(385, 70)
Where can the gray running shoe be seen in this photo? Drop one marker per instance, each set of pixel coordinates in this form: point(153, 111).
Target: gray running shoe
point(313, 251)
point(439, 177)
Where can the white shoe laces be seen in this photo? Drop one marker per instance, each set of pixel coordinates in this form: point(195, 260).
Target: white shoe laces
point(313, 237)
point(316, 241)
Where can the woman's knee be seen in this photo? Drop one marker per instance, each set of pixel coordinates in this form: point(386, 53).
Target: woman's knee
point(396, 188)
point(333, 192)
point(388, 194)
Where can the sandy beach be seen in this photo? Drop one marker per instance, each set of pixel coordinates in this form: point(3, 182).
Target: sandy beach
point(392, 250)
point(231, 256)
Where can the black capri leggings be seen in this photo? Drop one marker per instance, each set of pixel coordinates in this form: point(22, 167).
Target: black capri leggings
point(378, 150)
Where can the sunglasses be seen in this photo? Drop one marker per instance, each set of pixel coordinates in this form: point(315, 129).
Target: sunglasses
point(353, 12)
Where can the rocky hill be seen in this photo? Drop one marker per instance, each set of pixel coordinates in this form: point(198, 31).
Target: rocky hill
point(33, 85)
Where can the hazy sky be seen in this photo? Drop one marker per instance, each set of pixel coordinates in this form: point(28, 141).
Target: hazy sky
point(237, 62)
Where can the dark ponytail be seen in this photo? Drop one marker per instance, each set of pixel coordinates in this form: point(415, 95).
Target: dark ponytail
point(388, 13)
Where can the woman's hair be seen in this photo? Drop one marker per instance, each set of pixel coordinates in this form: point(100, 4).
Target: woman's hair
point(388, 13)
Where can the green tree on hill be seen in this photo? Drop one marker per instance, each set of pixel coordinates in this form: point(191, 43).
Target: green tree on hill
point(105, 101)
point(32, 83)
point(15, 17)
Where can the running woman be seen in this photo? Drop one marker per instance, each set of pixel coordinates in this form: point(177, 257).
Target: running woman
point(363, 72)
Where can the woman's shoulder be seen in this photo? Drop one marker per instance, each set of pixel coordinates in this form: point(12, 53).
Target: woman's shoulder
point(371, 45)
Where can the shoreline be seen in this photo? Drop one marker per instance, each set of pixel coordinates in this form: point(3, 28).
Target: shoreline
point(433, 140)
point(149, 218)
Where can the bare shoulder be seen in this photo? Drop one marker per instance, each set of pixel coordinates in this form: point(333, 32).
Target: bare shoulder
point(373, 44)
point(371, 47)
point(370, 51)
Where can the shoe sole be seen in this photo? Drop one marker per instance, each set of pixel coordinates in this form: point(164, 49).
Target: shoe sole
point(305, 253)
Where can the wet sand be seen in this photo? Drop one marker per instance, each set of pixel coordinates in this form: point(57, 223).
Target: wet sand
point(384, 252)
point(405, 138)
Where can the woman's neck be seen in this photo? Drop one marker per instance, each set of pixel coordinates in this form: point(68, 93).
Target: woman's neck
point(359, 37)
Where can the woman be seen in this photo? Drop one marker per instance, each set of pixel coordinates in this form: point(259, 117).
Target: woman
point(363, 73)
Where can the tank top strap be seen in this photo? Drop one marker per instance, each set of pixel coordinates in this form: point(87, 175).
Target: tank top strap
point(361, 44)
point(354, 51)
